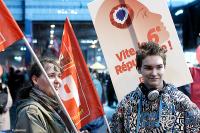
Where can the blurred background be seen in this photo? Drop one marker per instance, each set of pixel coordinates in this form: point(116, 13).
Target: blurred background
point(42, 23)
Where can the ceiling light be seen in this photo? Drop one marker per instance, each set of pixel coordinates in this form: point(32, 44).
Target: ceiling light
point(51, 41)
point(52, 26)
point(179, 12)
point(67, 11)
point(18, 58)
point(34, 41)
point(93, 46)
point(99, 49)
point(23, 48)
point(52, 32)
point(88, 41)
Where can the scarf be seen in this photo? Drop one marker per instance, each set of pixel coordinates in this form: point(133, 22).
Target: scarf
point(51, 104)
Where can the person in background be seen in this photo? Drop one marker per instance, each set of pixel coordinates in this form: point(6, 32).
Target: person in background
point(111, 95)
point(155, 105)
point(195, 85)
point(97, 84)
point(97, 125)
point(11, 82)
point(5, 111)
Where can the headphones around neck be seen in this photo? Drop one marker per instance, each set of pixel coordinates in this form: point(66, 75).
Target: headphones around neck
point(151, 94)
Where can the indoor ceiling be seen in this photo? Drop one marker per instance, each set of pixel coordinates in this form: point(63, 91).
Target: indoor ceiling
point(189, 21)
point(178, 3)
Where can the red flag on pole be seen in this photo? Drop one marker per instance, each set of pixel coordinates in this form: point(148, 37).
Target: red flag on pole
point(9, 30)
point(195, 86)
point(78, 93)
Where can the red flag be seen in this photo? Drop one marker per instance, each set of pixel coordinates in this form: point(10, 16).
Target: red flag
point(9, 30)
point(198, 54)
point(195, 86)
point(78, 94)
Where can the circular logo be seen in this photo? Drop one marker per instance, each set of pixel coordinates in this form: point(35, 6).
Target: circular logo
point(121, 16)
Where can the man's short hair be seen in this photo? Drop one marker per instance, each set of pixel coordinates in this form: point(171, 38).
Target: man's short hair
point(149, 49)
point(35, 69)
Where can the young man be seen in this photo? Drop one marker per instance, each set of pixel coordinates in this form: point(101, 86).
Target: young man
point(155, 106)
point(38, 110)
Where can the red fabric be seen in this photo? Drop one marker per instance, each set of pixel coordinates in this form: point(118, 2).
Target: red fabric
point(9, 30)
point(198, 54)
point(73, 64)
point(195, 86)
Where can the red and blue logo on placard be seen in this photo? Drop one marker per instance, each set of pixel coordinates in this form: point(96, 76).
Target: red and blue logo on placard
point(121, 16)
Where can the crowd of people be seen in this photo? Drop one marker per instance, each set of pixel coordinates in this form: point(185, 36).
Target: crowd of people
point(154, 105)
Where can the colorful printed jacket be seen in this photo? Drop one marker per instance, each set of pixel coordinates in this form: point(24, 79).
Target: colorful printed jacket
point(172, 112)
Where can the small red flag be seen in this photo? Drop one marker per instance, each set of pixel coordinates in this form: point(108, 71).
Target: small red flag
point(198, 54)
point(9, 30)
point(195, 86)
point(78, 92)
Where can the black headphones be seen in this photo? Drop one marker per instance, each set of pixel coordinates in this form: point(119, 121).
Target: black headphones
point(151, 94)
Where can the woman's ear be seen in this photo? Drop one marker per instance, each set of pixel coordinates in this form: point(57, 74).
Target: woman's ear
point(34, 79)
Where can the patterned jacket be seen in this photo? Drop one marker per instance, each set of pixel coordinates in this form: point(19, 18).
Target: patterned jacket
point(172, 112)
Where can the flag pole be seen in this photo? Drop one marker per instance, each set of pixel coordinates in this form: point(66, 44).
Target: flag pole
point(106, 120)
point(52, 87)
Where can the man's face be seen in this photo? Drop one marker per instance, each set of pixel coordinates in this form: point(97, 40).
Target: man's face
point(54, 76)
point(152, 71)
